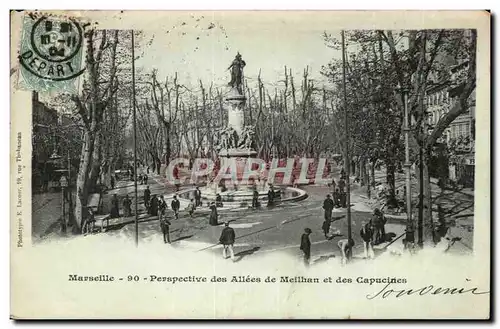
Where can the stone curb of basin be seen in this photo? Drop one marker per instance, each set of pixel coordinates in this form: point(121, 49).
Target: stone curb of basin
point(231, 206)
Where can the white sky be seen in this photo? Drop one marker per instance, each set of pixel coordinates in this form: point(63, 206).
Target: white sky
point(265, 42)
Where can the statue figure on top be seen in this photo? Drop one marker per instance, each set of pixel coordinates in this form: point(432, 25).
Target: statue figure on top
point(237, 73)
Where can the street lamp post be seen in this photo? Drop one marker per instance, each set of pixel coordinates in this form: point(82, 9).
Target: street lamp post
point(135, 142)
point(347, 158)
point(70, 196)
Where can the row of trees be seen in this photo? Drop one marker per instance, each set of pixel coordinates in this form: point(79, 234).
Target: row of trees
point(291, 117)
point(382, 63)
point(288, 120)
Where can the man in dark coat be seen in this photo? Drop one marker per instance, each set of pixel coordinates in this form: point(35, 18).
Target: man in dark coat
point(270, 196)
point(255, 199)
point(227, 238)
point(165, 228)
point(127, 203)
point(213, 215)
point(115, 212)
point(145, 178)
point(162, 207)
point(366, 234)
point(305, 245)
point(343, 200)
point(328, 207)
point(197, 196)
point(153, 208)
point(341, 185)
point(147, 197)
point(378, 221)
point(176, 205)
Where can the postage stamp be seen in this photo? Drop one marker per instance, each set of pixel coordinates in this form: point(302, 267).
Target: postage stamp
point(50, 53)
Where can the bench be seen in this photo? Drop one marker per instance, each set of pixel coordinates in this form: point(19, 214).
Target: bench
point(100, 222)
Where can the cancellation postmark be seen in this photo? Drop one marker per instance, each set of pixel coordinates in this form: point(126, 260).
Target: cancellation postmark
point(50, 54)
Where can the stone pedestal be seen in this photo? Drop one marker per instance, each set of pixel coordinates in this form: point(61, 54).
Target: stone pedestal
point(235, 103)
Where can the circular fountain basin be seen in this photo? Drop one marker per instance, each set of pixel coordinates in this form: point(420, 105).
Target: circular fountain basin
point(244, 197)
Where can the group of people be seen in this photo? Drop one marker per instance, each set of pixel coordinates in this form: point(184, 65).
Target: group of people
point(142, 179)
point(115, 207)
point(373, 232)
point(339, 193)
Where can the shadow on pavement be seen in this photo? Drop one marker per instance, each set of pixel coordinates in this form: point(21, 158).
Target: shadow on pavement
point(323, 259)
point(183, 238)
point(333, 236)
point(244, 253)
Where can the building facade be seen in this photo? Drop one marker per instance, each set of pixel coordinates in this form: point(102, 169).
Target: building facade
point(459, 136)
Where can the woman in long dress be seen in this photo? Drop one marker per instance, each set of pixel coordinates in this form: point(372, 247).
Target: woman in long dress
point(214, 217)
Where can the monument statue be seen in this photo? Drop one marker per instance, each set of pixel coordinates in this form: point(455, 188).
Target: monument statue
point(237, 73)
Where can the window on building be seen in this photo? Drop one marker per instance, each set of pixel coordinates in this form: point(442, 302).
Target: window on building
point(462, 129)
point(467, 129)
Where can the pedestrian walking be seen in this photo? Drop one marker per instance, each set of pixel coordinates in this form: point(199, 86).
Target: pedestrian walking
point(154, 206)
point(147, 198)
point(409, 240)
point(176, 205)
point(305, 245)
point(255, 199)
point(162, 206)
point(197, 197)
point(378, 221)
point(333, 185)
point(213, 215)
point(165, 228)
point(145, 179)
point(127, 203)
point(328, 207)
point(115, 209)
point(218, 201)
point(139, 179)
point(227, 238)
point(270, 196)
point(190, 208)
point(176, 178)
point(341, 185)
point(112, 182)
point(366, 234)
point(345, 246)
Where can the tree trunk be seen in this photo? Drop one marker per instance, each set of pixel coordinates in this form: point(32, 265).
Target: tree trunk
point(82, 180)
point(391, 182)
point(168, 147)
point(96, 161)
point(428, 223)
point(372, 180)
